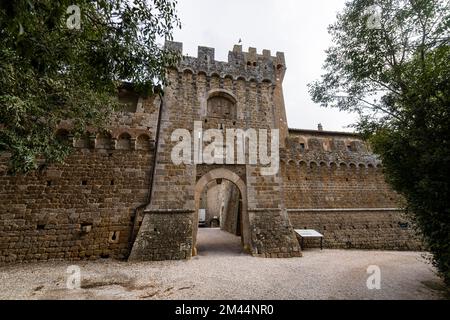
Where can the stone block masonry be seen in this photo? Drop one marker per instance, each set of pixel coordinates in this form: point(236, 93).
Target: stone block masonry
point(98, 204)
point(382, 229)
point(81, 210)
point(84, 208)
point(335, 185)
point(175, 227)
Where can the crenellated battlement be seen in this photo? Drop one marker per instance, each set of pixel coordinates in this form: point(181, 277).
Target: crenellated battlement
point(240, 65)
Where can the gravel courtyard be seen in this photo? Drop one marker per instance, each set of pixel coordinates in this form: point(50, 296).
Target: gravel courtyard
point(222, 271)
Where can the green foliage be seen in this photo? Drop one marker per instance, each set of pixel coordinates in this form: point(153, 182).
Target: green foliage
point(397, 78)
point(50, 73)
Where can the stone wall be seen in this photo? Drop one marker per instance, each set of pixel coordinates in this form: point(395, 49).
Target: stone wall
point(215, 195)
point(272, 234)
point(174, 226)
point(230, 214)
point(221, 201)
point(335, 185)
point(358, 228)
point(84, 208)
point(43, 214)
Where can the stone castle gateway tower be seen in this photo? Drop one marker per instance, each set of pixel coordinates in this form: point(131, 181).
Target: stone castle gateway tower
point(243, 93)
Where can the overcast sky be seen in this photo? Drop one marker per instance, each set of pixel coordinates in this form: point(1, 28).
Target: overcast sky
point(298, 28)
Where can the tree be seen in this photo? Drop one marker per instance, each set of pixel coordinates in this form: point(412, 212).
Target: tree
point(59, 61)
point(390, 63)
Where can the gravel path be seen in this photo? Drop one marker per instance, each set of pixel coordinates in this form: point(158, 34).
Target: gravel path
point(223, 271)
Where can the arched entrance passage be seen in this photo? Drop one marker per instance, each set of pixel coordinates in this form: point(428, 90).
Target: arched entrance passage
point(239, 183)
